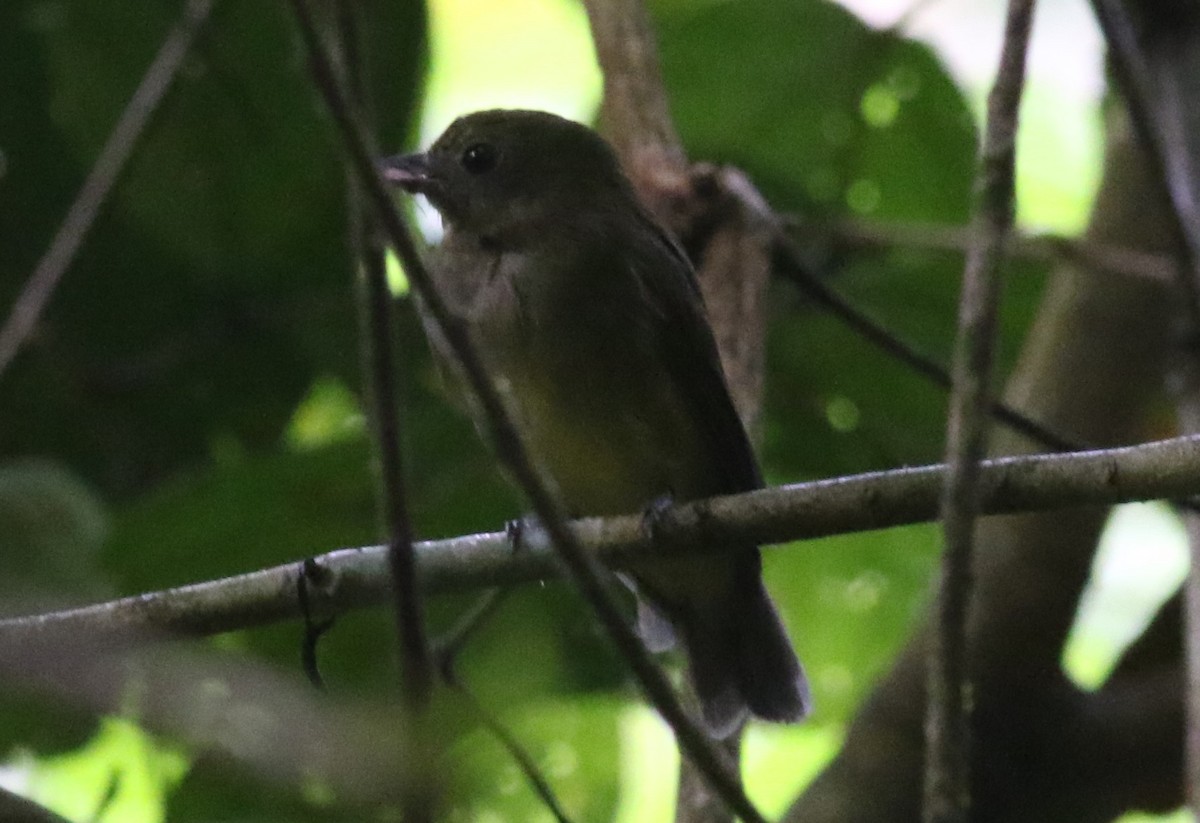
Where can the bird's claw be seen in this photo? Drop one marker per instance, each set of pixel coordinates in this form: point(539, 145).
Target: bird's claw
point(654, 516)
point(525, 533)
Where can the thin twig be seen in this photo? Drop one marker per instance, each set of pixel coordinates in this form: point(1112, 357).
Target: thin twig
point(378, 325)
point(448, 646)
point(311, 574)
point(106, 800)
point(1155, 106)
point(947, 794)
point(533, 775)
point(38, 290)
point(583, 569)
point(358, 578)
point(1034, 248)
point(446, 651)
point(789, 265)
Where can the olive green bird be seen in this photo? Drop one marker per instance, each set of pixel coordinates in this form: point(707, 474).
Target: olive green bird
point(590, 323)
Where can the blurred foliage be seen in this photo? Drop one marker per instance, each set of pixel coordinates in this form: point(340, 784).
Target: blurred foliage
point(497, 58)
point(52, 527)
point(192, 396)
point(121, 771)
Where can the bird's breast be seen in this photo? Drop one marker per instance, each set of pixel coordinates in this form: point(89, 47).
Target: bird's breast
point(579, 370)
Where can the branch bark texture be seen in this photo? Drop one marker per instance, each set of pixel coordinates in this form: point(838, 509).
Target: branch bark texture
point(357, 577)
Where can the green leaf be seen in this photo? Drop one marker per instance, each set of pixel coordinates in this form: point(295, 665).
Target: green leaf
point(818, 108)
point(216, 284)
point(849, 603)
point(575, 746)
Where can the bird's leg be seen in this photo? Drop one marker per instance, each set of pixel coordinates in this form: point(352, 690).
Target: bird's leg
point(526, 532)
point(654, 627)
point(655, 515)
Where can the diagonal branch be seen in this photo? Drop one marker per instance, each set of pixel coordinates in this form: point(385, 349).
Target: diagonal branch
point(38, 290)
point(789, 265)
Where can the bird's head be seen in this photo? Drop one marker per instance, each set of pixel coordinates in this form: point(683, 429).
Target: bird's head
point(503, 171)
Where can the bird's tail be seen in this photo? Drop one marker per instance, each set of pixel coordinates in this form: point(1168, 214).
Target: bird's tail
point(740, 659)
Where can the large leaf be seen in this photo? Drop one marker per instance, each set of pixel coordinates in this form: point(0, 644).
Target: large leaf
point(834, 119)
point(819, 108)
point(216, 284)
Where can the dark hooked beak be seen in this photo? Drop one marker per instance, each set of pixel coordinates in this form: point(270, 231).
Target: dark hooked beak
point(408, 171)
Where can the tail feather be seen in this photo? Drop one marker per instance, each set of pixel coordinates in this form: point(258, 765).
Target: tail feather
point(712, 657)
point(654, 628)
point(741, 662)
point(772, 680)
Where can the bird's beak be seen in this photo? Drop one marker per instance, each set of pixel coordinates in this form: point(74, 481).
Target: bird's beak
point(408, 171)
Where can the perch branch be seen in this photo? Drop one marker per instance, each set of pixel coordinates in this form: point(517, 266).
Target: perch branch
point(357, 577)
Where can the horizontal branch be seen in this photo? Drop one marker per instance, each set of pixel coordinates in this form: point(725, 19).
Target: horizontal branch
point(347, 579)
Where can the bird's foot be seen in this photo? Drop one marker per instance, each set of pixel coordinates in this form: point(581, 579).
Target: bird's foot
point(655, 516)
point(525, 533)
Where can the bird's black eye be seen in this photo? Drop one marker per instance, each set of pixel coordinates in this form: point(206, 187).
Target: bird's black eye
point(479, 158)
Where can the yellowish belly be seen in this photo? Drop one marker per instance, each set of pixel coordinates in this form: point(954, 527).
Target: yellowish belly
point(608, 454)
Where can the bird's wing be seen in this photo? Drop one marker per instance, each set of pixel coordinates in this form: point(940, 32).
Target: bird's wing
point(692, 361)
